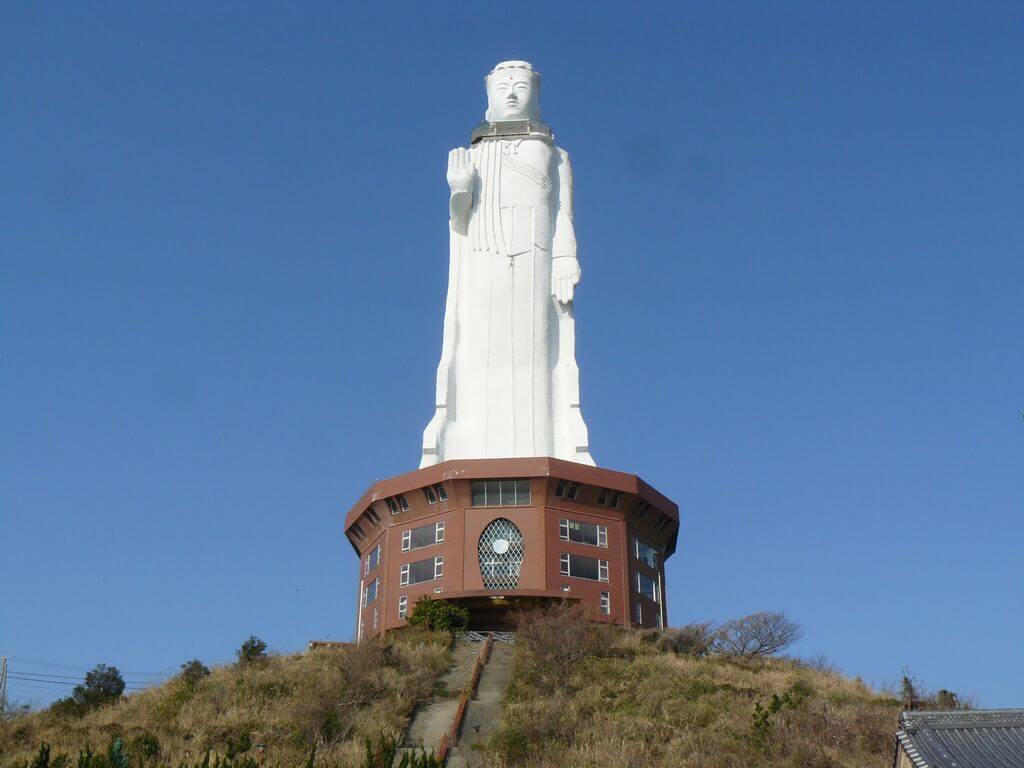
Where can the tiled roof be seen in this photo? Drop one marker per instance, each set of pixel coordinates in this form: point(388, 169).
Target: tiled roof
point(982, 738)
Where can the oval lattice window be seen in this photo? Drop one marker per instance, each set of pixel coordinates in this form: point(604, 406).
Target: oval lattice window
point(501, 554)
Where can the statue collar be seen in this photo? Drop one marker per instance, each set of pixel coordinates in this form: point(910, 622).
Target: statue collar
point(511, 129)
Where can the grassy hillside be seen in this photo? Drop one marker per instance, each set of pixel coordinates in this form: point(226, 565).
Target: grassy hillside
point(589, 699)
point(330, 698)
point(583, 695)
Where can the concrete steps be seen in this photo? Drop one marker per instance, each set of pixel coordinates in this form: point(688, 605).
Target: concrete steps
point(484, 711)
point(433, 719)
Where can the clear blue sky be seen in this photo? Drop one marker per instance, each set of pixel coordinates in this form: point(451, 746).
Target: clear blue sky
point(223, 247)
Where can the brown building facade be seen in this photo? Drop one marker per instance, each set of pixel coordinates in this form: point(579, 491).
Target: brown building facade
point(492, 534)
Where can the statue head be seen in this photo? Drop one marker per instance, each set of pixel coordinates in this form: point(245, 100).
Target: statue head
point(513, 92)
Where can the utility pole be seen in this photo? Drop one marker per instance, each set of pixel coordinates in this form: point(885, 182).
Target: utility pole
point(3, 687)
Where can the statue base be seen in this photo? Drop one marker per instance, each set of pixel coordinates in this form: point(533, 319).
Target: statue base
point(496, 534)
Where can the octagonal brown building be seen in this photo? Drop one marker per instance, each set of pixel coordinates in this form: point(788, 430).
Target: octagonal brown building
point(494, 534)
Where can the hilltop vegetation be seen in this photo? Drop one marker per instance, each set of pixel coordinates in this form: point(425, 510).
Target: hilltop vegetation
point(583, 695)
point(332, 699)
point(589, 698)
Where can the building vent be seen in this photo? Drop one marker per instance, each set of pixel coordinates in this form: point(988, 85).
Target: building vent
point(501, 554)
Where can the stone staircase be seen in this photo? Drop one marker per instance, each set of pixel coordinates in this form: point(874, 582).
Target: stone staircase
point(483, 712)
point(434, 723)
point(433, 719)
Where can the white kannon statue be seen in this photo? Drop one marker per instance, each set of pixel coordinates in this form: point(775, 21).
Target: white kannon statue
point(508, 383)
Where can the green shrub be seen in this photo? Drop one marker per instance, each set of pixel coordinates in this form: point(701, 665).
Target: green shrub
point(253, 651)
point(103, 685)
point(438, 615)
point(194, 671)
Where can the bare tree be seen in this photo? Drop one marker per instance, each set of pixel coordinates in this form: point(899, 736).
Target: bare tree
point(757, 635)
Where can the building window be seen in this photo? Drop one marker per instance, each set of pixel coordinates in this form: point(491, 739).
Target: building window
point(392, 505)
point(370, 592)
point(372, 560)
point(403, 503)
point(606, 603)
point(375, 617)
point(372, 516)
point(567, 490)
point(583, 533)
point(358, 531)
point(647, 587)
point(638, 613)
point(565, 587)
point(438, 590)
point(403, 606)
point(645, 553)
point(423, 536)
point(500, 493)
point(435, 493)
point(584, 567)
point(421, 570)
point(609, 498)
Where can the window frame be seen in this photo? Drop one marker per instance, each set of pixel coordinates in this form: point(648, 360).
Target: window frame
point(565, 567)
point(606, 603)
point(637, 541)
point(600, 532)
point(438, 536)
point(403, 606)
point(367, 600)
point(654, 597)
point(501, 489)
point(375, 551)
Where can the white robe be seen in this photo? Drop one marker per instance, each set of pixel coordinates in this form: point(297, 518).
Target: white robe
point(508, 383)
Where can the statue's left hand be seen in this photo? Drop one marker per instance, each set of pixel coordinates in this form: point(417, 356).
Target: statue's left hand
point(565, 273)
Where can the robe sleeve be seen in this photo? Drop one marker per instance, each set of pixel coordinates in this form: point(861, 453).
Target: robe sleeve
point(564, 242)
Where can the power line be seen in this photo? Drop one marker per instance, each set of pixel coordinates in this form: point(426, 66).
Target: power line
point(76, 678)
point(55, 665)
point(135, 686)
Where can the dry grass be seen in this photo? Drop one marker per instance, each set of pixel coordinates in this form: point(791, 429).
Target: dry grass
point(641, 707)
point(328, 698)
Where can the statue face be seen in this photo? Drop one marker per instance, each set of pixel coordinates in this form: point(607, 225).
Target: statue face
point(511, 95)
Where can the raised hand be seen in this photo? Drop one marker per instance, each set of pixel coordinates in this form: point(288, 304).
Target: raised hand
point(460, 170)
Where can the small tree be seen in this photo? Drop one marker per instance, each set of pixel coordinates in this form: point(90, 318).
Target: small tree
point(440, 615)
point(253, 651)
point(193, 671)
point(757, 635)
point(103, 685)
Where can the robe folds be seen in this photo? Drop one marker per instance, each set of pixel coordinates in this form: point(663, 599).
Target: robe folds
point(507, 382)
